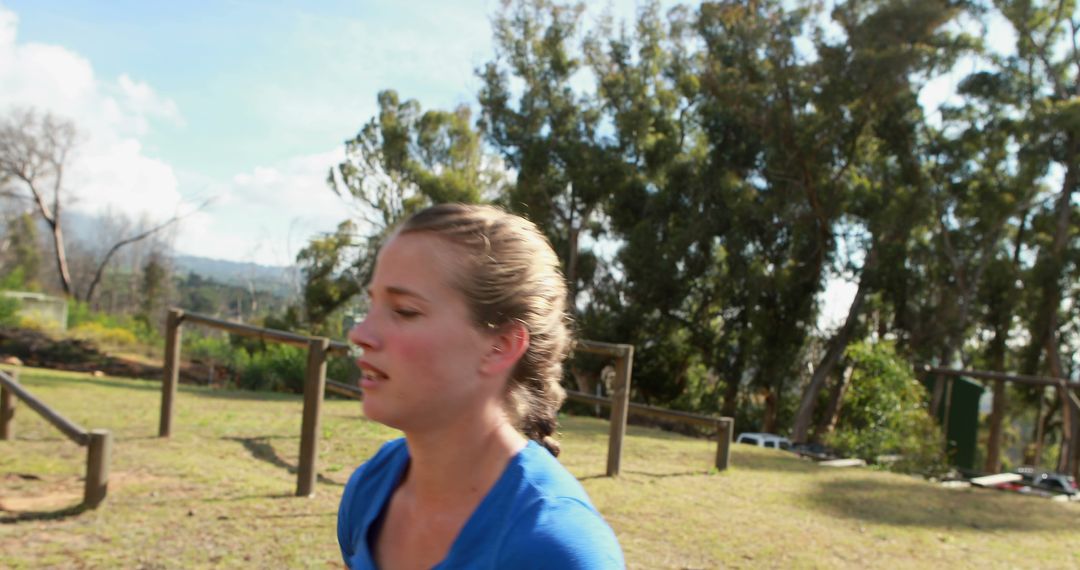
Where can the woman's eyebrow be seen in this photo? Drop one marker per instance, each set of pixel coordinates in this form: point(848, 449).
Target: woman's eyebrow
point(399, 292)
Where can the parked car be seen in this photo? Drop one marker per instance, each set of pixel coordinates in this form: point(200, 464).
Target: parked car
point(770, 440)
point(1041, 482)
point(815, 451)
point(1055, 483)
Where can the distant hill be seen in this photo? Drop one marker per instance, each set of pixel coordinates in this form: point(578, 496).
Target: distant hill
point(276, 279)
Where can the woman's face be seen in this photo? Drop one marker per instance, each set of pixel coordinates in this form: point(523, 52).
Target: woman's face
point(422, 351)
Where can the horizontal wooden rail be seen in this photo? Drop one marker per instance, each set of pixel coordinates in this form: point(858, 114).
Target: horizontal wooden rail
point(98, 442)
point(344, 389)
point(604, 348)
point(723, 425)
point(651, 411)
point(248, 330)
point(987, 375)
point(66, 426)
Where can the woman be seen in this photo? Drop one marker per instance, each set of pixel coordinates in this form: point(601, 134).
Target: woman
point(463, 346)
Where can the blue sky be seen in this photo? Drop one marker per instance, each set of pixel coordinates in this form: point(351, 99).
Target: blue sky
point(261, 82)
point(248, 102)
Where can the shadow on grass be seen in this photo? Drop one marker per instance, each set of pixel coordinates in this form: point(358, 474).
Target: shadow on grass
point(230, 394)
point(261, 449)
point(26, 516)
point(918, 503)
point(744, 457)
point(30, 380)
point(650, 475)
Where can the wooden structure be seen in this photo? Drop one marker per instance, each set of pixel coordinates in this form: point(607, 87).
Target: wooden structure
point(723, 426)
point(620, 396)
point(316, 383)
point(98, 442)
point(319, 349)
point(1069, 458)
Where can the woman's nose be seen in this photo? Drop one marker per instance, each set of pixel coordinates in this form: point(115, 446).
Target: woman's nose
point(363, 336)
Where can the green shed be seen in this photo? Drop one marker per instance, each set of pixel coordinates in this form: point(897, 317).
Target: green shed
point(961, 400)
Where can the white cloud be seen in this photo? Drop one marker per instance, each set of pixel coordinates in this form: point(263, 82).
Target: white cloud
point(267, 214)
point(109, 170)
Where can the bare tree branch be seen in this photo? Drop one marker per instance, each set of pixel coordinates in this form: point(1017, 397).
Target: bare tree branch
point(135, 238)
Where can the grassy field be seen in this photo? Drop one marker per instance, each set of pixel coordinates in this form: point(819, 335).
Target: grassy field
point(219, 494)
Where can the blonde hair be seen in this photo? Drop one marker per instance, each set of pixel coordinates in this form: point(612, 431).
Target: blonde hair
point(512, 274)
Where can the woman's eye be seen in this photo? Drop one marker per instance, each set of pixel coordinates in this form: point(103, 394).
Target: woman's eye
point(406, 313)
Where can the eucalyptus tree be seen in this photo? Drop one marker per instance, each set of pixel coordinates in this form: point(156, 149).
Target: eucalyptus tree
point(549, 132)
point(890, 49)
point(400, 161)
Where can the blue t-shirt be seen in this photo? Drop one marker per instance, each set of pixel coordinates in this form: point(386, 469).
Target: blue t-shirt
point(535, 516)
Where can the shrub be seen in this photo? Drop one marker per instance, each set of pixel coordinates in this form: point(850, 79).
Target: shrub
point(884, 412)
point(99, 333)
point(9, 311)
point(279, 368)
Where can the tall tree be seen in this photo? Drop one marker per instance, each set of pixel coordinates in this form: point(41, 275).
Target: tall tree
point(889, 45)
point(34, 153)
point(551, 135)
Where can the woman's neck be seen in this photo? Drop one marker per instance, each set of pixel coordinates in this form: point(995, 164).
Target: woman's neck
point(460, 462)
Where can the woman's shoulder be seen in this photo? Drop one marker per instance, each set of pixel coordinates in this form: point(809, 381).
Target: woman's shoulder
point(543, 476)
point(560, 532)
point(390, 454)
point(555, 523)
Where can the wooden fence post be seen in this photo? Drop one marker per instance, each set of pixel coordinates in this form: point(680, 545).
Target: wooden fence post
point(98, 454)
point(723, 442)
point(7, 410)
point(620, 405)
point(314, 385)
point(172, 370)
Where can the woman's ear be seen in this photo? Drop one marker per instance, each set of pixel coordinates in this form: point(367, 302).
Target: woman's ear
point(508, 345)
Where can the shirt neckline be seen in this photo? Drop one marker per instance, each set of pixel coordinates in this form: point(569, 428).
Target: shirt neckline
point(473, 520)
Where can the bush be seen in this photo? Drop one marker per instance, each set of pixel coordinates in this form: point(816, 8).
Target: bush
point(279, 368)
point(884, 412)
point(82, 317)
point(99, 333)
point(9, 311)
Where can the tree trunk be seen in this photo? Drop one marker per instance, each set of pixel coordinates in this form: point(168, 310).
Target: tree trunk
point(836, 402)
point(769, 422)
point(837, 345)
point(997, 415)
point(584, 381)
point(61, 255)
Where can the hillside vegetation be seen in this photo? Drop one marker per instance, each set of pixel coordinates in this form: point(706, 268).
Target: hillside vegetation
point(219, 494)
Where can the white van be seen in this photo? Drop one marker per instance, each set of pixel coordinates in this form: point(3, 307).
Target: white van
point(770, 440)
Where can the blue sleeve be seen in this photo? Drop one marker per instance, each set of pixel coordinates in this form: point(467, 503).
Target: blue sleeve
point(560, 533)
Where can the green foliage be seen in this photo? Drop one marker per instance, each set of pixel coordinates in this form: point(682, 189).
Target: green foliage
point(279, 368)
point(9, 311)
point(330, 279)
point(251, 364)
point(884, 412)
point(19, 267)
point(111, 329)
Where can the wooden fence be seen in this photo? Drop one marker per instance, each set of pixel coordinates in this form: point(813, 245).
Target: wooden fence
point(723, 425)
point(319, 349)
point(316, 383)
point(98, 442)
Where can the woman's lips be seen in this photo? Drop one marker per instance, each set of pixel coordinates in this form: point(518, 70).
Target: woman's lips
point(371, 375)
